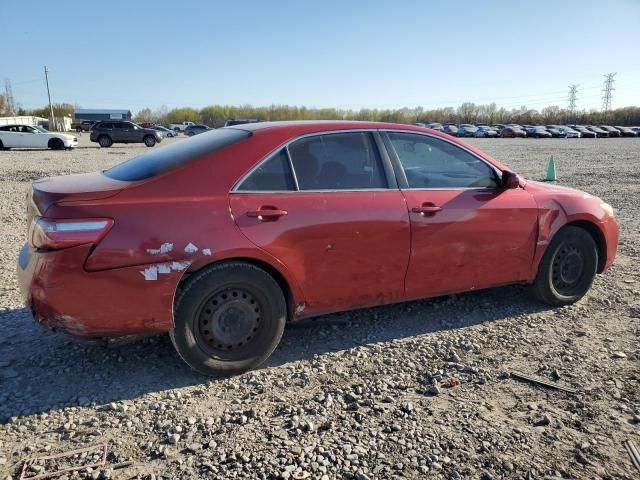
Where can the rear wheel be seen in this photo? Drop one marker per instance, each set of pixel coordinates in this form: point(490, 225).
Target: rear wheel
point(56, 144)
point(149, 141)
point(105, 141)
point(2, 147)
point(567, 268)
point(228, 319)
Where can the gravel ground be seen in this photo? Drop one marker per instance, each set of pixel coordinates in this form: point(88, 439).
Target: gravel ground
point(366, 394)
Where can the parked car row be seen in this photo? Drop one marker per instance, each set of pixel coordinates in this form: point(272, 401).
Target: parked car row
point(482, 130)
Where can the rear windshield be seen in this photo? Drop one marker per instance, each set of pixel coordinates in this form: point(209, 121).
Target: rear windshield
point(161, 160)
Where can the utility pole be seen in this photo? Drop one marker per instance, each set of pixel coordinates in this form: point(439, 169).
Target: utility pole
point(573, 97)
point(607, 91)
point(52, 120)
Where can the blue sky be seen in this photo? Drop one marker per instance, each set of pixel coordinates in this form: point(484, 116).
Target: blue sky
point(320, 53)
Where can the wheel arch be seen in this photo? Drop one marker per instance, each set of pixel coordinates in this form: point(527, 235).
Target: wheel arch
point(53, 141)
point(598, 238)
point(292, 295)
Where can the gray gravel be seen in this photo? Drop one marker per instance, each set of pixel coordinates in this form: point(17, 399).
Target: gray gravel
point(405, 391)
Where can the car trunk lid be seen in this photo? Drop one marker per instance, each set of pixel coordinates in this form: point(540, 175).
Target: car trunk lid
point(71, 188)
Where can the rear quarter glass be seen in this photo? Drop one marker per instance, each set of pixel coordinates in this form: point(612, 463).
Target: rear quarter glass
point(167, 158)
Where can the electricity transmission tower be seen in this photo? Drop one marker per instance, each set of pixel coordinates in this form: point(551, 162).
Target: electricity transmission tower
point(607, 91)
point(8, 94)
point(573, 97)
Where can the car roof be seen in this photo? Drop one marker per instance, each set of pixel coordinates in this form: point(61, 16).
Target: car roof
point(308, 126)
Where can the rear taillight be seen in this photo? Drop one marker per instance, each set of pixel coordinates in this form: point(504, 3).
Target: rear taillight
point(54, 234)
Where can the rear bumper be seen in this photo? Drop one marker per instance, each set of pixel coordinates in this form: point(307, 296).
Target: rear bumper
point(63, 296)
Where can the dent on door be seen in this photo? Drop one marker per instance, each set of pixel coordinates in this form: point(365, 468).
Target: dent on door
point(345, 249)
point(468, 239)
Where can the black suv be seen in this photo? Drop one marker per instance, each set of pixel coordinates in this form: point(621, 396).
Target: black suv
point(84, 125)
point(108, 132)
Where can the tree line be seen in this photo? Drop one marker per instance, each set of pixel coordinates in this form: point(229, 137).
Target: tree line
point(216, 115)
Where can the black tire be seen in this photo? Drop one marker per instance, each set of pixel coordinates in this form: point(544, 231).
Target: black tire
point(2, 146)
point(105, 141)
point(567, 268)
point(56, 144)
point(149, 140)
point(229, 319)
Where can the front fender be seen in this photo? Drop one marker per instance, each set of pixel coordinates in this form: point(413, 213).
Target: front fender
point(557, 210)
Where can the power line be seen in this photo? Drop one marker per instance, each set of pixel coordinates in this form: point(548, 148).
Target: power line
point(608, 91)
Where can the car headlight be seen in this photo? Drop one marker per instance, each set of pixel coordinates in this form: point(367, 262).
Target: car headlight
point(608, 209)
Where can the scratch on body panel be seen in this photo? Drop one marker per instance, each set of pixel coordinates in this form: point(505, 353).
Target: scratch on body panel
point(190, 248)
point(152, 271)
point(164, 248)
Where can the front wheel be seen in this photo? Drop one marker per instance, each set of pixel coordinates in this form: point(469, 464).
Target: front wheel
point(228, 319)
point(567, 268)
point(149, 141)
point(56, 144)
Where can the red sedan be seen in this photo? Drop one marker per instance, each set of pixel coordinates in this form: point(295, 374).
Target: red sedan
point(221, 239)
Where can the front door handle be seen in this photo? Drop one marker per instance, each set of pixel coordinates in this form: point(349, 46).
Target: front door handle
point(267, 213)
point(426, 209)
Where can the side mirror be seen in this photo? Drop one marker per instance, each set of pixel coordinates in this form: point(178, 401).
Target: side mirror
point(510, 179)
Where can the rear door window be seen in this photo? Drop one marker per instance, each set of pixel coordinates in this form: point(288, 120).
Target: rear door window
point(272, 175)
point(338, 161)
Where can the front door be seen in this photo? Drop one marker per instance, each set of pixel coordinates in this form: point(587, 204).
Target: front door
point(327, 213)
point(466, 231)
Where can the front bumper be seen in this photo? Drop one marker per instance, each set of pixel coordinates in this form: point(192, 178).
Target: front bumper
point(63, 296)
point(611, 231)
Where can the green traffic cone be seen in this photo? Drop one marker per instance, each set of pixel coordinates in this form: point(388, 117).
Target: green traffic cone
point(551, 171)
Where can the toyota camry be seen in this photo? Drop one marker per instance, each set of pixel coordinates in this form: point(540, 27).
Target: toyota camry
point(221, 239)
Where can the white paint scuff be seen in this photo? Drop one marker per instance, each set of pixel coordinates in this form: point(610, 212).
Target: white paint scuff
point(164, 248)
point(150, 273)
point(164, 268)
point(191, 248)
point(206, 251)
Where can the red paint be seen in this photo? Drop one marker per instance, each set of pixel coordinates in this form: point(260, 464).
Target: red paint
point(334, 250)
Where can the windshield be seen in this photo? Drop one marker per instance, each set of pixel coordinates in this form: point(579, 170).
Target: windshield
point(167, 158)
point(40, 129)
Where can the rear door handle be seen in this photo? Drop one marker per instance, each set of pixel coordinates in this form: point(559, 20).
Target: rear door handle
point(267, 213)
point(426, 209)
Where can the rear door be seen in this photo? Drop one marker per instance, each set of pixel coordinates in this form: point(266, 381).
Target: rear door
point(107, 128)
point(327, 207)
point(466, 231)
point(10, 136)
point(119, 133)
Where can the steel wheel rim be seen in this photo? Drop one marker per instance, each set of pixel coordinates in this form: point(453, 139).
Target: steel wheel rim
point(228, 323)
point(568, 269)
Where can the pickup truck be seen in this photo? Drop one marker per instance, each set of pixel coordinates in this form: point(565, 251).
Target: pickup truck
point(180, 127)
